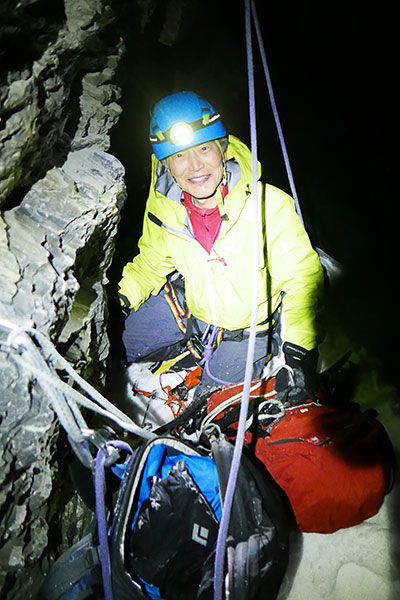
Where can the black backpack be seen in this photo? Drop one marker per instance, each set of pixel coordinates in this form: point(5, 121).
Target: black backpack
point(163, 526)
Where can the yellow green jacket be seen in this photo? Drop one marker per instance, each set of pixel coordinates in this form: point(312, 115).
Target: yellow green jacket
point(219, 286)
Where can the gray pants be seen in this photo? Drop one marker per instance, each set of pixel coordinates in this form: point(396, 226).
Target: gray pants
point(153, 328)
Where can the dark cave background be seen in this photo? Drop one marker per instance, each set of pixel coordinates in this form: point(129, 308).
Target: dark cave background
point(332, 71)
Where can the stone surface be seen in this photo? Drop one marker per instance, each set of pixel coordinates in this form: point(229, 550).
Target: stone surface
point(60, 92)
point(61, 195)
point(56, 248)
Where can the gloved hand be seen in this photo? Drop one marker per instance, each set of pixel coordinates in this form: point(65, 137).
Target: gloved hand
point(296, 382)
point(124, 303)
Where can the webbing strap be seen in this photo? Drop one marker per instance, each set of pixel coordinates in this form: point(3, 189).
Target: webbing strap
point(175, 306)
point(192, 341)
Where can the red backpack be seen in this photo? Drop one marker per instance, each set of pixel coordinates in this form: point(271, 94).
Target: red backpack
point(334, 462)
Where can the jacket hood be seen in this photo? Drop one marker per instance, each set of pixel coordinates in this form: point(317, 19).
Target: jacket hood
point(238, 151)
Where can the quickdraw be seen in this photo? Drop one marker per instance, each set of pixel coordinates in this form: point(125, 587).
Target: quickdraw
point(178, 396)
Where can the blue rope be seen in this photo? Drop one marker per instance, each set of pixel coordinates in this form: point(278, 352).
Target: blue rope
point(237, 452)
point(275, 112)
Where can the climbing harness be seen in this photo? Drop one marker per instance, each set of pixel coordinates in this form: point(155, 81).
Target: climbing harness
point(203, 345)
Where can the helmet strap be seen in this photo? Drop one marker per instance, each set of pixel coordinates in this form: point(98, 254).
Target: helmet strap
point(220, 202)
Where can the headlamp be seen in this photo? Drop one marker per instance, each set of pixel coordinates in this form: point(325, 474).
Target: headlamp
point(181, 134)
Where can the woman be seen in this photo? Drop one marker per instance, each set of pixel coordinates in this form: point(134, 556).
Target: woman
point(199, 223)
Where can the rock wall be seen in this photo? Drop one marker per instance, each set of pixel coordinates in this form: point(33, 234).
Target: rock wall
point(61, 195)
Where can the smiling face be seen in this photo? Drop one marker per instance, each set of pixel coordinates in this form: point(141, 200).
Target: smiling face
point(199, 171)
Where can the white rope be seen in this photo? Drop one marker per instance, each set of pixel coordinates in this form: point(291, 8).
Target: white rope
point(30, 361)
point(37, 358)
point(269, 399)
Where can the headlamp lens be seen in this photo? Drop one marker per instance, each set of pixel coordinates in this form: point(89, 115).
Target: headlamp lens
point(181, 134)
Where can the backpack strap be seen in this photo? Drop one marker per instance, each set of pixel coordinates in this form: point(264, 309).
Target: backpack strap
point(77, 572)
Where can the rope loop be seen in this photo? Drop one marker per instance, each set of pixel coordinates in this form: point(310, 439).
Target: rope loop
point(38, 360)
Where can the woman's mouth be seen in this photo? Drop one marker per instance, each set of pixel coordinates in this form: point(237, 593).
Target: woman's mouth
point(199, 180)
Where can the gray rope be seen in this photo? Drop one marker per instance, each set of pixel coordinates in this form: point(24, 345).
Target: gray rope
point(275, 112)
point(36, 357)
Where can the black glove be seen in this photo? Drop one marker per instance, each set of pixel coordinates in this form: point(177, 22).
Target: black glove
point(297, 383)
point(124, 302)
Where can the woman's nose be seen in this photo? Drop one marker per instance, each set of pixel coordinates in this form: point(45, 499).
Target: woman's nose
point(195, 160)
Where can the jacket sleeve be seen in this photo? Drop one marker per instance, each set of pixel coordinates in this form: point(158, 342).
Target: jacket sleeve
point(295, 269)
point(147, 272)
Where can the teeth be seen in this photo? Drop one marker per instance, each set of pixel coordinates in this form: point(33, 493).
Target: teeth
point(199, 179)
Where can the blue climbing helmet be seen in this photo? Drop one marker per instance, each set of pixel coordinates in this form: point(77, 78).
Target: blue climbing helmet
point(181, 121)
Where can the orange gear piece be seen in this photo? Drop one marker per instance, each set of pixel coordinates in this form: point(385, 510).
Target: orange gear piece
point(175, 403)
point(193, 377)
point(177, 396)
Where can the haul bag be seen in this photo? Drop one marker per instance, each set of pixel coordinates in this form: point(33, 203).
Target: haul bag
point(335, 463)
point(164, 530)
